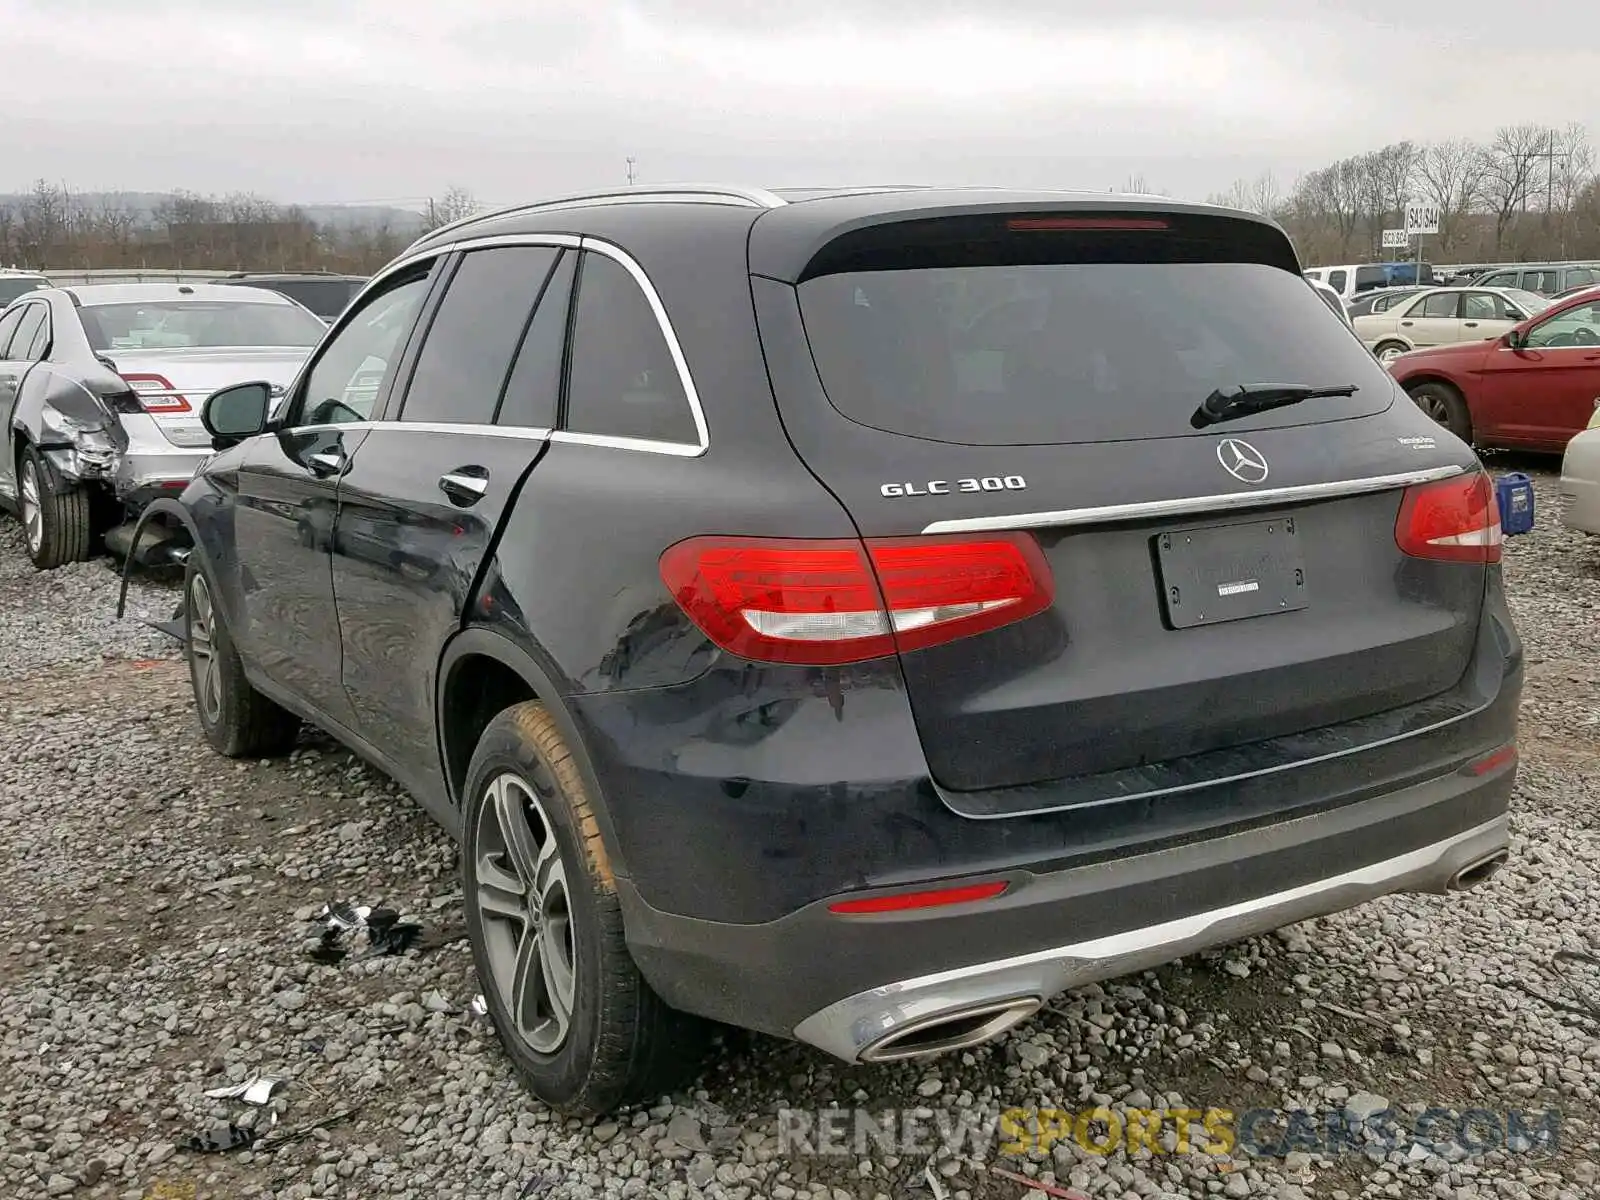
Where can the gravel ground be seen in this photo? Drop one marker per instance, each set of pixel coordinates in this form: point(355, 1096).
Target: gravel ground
point(156, 944)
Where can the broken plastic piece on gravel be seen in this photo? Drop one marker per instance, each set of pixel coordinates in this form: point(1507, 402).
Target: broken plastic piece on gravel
point(396, 939)
point(1038, 1185)
point(343, 918)
point(256, 1091)
point(386, 933)
point(478, 1006)
point(219, 1139)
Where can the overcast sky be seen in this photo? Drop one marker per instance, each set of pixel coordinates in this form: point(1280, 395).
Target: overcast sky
point(391, 100)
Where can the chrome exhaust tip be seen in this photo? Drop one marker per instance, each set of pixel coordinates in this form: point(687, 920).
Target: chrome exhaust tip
point(953, 1030)
point(1475, 873)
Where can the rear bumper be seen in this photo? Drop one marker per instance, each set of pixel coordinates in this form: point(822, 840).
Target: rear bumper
point(881, 1021)
point(854, 986)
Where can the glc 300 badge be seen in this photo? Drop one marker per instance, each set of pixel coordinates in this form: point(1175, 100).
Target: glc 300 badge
point(944, 487)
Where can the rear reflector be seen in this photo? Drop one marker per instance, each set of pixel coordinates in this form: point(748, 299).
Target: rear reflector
point(1089, 224)
point(827, 602)
point(1493, 762)
point(909, 901)
point(156, 394)
point(1453, 520)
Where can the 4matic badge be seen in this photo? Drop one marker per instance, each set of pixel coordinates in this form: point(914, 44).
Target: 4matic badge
point(944, 487)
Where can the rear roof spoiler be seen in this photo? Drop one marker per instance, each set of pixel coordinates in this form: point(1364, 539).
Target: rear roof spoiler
point(785, 242)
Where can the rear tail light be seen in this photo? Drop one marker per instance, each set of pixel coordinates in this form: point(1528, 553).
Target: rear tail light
point(841, 601)
point(156, 394)
point(1452, 520)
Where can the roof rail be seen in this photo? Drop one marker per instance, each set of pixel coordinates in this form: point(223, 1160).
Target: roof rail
point(754, 197)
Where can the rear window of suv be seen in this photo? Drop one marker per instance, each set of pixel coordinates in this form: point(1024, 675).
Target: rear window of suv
point(1065, 352)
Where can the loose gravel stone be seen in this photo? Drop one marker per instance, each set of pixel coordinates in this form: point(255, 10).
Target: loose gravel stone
point(154, 944)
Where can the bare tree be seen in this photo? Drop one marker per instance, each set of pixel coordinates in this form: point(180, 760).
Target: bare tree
point(1450, 176)
point(43, 221)
point(1264, 196)
point(452, 206)
point(1508, 174)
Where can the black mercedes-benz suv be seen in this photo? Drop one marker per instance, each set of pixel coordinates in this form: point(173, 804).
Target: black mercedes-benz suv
point(860, 615)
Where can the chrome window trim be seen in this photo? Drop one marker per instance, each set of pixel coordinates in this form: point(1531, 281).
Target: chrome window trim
point(1194, 505)
point(505, 431)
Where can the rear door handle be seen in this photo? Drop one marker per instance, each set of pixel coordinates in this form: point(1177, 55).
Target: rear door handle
point(465, 485)
point(1471, 324)
point(328, 462)
point(1407, 323)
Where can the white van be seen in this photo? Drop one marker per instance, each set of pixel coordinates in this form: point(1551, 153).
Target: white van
point(1350, 280)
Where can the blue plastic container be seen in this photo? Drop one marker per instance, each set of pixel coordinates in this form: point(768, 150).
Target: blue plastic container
point(1514, 492)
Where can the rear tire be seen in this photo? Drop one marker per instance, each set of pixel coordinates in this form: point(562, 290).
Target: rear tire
point(1387, 352)
point(1446, 406)
point(577, 1019)
point(237, 720)
point(57, 523)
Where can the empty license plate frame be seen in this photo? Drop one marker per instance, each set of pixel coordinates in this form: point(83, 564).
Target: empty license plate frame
point(1231, 572)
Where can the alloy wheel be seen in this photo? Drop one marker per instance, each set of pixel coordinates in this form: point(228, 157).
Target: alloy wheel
point(32, 509)
point(203, 666)
point(526, 913)
point(1389, 353)
point(1435, 407)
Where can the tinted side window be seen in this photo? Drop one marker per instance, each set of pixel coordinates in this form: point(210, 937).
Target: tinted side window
point(33, 316)
point(533, 392)
point(1336, 280)
point(1579, 277)
point(8, 326)
point(345, 381)
point(469, 346)
point(623, 381)
point(1499, 279)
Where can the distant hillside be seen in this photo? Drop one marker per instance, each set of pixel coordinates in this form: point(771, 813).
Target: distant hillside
point(144, 206)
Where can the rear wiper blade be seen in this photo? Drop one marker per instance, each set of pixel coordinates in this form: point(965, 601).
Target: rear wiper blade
point(1250, 398)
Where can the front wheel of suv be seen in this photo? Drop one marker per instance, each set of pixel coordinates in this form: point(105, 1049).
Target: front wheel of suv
point(577, 1019)
point(237, 720)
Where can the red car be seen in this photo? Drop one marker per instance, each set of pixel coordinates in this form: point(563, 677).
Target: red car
point(1532, 388)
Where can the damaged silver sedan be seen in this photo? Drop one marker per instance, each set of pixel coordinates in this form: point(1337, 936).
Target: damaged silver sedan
point(100, 391)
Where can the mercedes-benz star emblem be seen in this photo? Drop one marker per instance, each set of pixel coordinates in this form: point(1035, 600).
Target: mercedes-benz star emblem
point(1241, 460)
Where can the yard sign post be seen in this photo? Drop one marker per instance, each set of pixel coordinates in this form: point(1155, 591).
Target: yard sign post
point(1421, 219)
